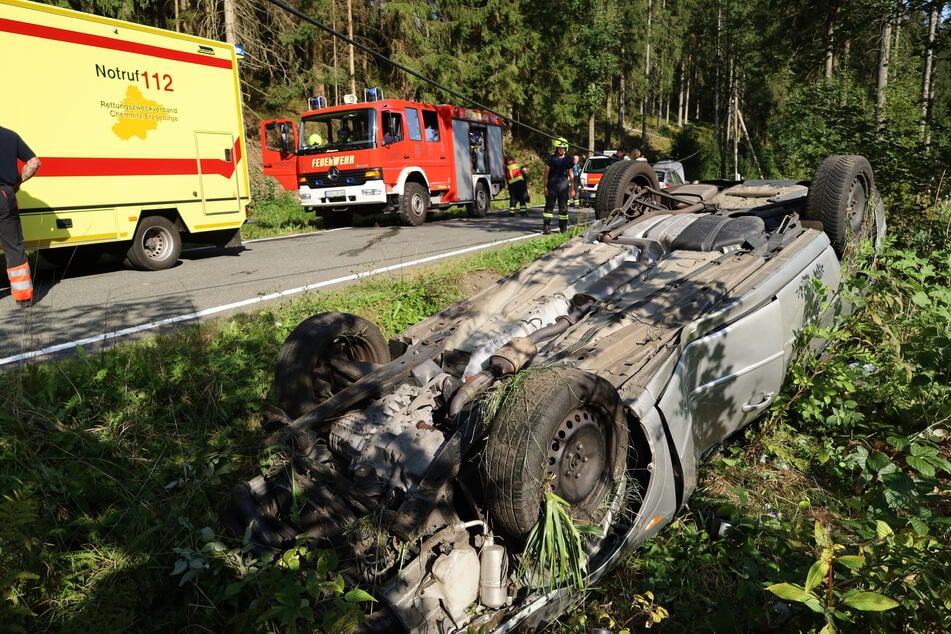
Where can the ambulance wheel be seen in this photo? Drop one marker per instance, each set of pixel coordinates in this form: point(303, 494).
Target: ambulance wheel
point(479, 207)
point(413, 204)
point(156, 244)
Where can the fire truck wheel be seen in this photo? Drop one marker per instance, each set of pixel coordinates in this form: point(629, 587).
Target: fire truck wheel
point(156, 244)
point(479, 207)
point(414, 204)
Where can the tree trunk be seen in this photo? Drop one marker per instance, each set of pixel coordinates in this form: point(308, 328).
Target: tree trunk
point(830, 43)
point(622, 98)
point(230, 30)
point(591, 134)
point(353, 72)
point(680, 96)
point(927, 75)
point(718, 62)
point(647, 74)
point(883, 66)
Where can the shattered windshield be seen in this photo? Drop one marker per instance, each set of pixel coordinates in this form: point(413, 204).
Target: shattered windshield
point(334, 131)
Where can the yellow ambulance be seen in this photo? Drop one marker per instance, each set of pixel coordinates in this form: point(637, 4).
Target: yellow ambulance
point(139, 131)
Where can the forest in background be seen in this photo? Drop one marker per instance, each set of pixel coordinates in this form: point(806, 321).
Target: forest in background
point(756, 87)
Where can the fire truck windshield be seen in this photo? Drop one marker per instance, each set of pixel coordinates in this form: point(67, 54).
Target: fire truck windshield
point(333, 131)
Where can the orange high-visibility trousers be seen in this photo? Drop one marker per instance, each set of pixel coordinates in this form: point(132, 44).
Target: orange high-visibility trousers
point(21, 283)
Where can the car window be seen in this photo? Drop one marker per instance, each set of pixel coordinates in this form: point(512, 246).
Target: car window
point(596, 165)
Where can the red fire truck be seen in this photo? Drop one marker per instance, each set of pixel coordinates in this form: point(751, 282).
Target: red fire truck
point(386, 155)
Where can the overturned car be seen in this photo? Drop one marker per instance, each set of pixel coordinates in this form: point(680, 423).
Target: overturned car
point(599, 375)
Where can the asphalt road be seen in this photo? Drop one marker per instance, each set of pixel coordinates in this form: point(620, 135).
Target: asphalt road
point(99, 305)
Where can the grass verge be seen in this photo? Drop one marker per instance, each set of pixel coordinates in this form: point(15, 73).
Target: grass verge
point(115, 466)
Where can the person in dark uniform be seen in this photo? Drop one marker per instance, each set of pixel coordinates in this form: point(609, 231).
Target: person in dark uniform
point(13, 148)
point(557, 186)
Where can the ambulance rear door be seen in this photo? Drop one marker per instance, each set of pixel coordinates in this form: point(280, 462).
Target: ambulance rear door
point(216, 169)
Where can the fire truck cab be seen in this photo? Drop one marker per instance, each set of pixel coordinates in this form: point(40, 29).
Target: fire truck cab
point(386, 155)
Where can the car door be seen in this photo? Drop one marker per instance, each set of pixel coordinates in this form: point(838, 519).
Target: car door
point(278, 145)
point(727, 377)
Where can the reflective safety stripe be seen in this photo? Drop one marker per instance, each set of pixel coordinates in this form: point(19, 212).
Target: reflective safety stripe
point(21, 284)
point(562, 217)
point(547, 214)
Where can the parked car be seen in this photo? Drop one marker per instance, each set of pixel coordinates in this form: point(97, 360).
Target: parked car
point(601, 373)
point(669, 173)
point(591, 173)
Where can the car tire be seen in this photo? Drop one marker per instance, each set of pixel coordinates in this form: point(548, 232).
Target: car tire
point(414, 203)
point(840, 197)
point(558, 427)
point(479, 207)
point(156, 245)
point(304, 375)
point(622, 180)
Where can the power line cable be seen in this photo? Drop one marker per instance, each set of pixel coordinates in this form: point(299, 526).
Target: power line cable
point(410, 71)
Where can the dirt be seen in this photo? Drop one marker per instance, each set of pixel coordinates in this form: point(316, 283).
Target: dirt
point(474, 281)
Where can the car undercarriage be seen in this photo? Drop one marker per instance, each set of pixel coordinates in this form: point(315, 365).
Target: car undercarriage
point(598, 375)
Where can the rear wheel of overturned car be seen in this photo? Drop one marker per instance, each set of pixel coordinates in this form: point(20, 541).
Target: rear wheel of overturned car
point(322, 355)
point(156, 244)
point(622, 180)
point(479, 207)
point(841, 197)
point(414, 204)
point(561, 428)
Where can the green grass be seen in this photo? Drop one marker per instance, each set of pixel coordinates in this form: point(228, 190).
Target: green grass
point(114, 467)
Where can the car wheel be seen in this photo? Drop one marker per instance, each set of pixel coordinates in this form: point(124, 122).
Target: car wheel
point(156, 245)
point(558, 427)
point(310, 363)
point(622, 180)
point(841, 197)
point(413, 204)
point(480, 206)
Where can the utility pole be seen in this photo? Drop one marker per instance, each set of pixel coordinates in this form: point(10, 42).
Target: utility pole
point(353, 74)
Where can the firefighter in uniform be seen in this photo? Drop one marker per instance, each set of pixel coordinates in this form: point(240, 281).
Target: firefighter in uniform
point(558, 186)
point(518, 188)
point(12, 148)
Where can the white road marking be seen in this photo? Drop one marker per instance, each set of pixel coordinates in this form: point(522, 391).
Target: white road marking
point(116, 334)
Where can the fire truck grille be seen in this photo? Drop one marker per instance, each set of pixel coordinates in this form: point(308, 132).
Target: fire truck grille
point(342, 178)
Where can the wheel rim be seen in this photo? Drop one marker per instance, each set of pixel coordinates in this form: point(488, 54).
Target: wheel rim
point(416, 206)
point(157, 243)
point(859, 224)
point(482, 199)
point(577, 457)
point(858, 199)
